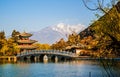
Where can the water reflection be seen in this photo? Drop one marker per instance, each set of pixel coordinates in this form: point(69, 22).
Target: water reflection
point(75, 68)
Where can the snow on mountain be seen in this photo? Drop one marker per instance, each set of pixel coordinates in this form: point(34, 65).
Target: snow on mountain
point(68, 29)
point(54, 33)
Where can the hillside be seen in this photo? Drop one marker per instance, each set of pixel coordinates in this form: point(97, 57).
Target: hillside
point(106, 30)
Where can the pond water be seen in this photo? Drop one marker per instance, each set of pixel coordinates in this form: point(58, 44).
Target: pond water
point(78, 68)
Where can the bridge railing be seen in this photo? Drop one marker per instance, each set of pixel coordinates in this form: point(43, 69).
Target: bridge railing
point(58, 52)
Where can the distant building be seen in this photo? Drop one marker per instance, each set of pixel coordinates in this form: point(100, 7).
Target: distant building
point(24, 43)
point(78, 50)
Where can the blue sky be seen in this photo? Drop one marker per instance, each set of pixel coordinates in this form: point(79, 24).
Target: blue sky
point(33, 15)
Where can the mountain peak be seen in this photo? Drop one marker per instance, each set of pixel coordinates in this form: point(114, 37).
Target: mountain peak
point(68, 29)
point(60, 25)
point(54, 33)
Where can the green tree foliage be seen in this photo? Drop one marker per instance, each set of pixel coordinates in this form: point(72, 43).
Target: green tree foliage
point(73, 39)
point(8, 46)
point(42, 46)
point(107, 28)
point(60, 45)
point(2, 35)
point(3, 42)
point(14, 35)
point(3, 48)
point(89, 42)
point(12, 47)
point(109, 25)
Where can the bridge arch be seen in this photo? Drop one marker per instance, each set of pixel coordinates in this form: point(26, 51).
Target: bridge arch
point(62, 58)
point(52, 55)
point(25, 58)
point(32, 58)
point(54, 58)
point(41, 57)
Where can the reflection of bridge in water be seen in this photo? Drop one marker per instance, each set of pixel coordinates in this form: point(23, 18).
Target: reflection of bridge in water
point(51, 55)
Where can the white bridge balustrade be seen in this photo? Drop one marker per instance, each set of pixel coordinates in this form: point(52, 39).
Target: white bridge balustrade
point(52, 52)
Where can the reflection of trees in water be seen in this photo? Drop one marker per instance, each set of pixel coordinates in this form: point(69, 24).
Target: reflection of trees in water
point(109, 66)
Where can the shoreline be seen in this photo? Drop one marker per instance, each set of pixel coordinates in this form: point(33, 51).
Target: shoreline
point(15, 58)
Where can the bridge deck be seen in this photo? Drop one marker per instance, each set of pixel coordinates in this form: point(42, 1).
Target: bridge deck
point(52, 52)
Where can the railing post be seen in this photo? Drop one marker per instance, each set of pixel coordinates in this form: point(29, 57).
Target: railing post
point(9, 59)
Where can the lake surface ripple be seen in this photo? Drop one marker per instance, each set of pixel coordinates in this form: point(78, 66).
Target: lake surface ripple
point(81, 68)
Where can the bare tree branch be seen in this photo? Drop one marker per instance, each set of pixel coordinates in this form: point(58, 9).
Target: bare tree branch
point(100, 6)
point(92, 9)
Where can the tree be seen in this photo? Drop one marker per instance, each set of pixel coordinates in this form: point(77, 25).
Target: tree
point(14, 35)
point(107, 27)
point(2, 35)
point(8, 46)
point(60, 45)
point(12, 47)
point(4, 47)
point(73, 39)
point(42, 46)
point(3, 43)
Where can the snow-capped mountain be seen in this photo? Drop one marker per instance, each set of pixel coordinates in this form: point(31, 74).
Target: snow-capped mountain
point(54, 33)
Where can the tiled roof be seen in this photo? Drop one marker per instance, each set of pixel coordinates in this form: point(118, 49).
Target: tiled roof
point(26, 41)
point(25, 34)
point(76, 47)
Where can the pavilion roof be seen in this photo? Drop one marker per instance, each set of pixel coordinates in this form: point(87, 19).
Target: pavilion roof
point(26, 41)
point(75, 47)
point(25, 34)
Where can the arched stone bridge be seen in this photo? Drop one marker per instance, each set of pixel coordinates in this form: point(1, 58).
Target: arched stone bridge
point(41, 55)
